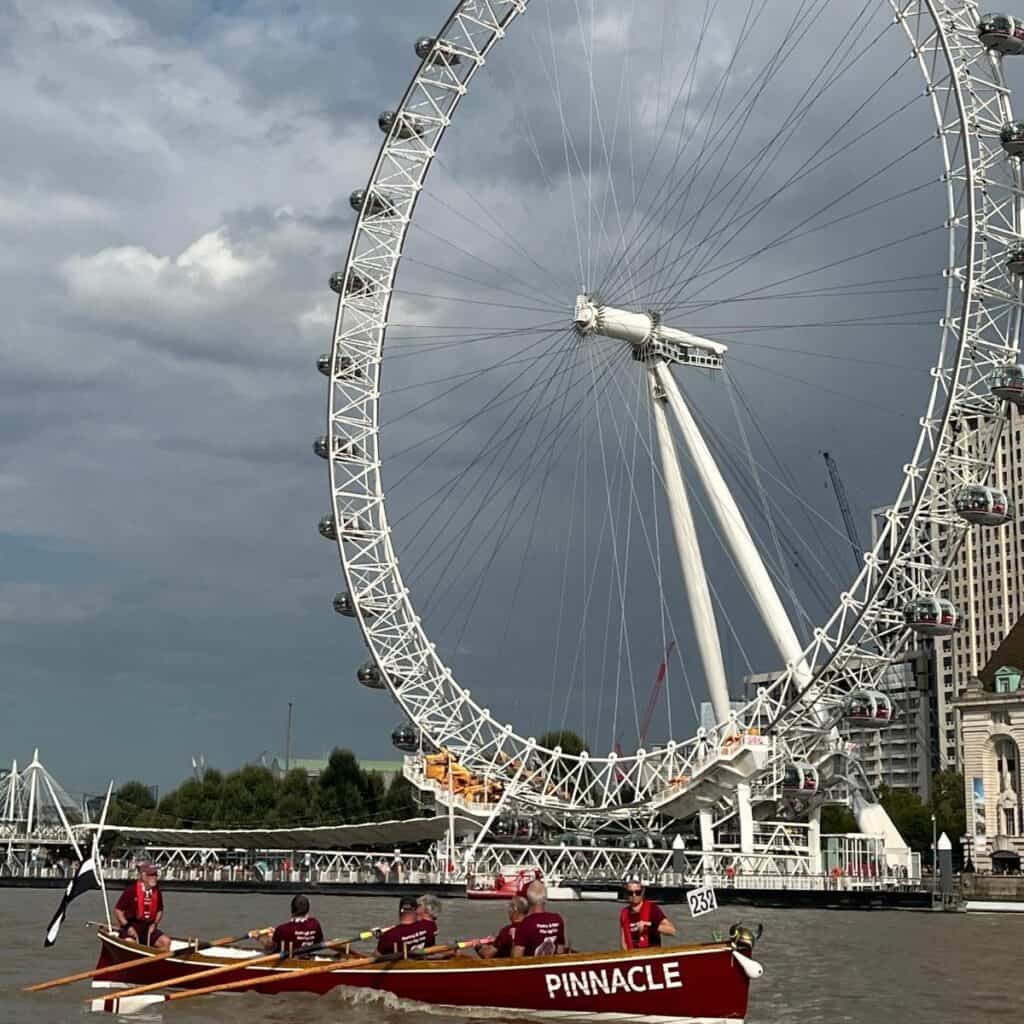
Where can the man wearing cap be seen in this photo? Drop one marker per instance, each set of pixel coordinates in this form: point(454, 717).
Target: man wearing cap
point(642, 922)
point(141, 908)
point(414, 929)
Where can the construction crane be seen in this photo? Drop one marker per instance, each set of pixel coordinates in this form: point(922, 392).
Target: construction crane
point(844, 507)
point(652, 700)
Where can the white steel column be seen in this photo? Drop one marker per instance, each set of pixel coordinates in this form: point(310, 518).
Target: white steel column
point(737, 536)
point(745, 812)
point(698, 593)
point(12, 792)
point(814, 840)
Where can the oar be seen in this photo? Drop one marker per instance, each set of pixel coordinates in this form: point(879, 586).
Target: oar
point(235, 965)
point(461, 944)
point(124, 1004)
point(114, 968)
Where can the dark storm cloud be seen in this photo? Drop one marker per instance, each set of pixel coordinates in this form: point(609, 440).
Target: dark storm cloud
point(169, 215)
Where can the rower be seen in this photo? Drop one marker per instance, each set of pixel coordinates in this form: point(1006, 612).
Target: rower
point(141, 908)
point(501, 945)
point(301, 932)
point(642, 922)
point(540, 933)
point(416, 926)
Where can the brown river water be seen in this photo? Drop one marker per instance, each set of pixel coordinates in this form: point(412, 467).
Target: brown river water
point(873, 967)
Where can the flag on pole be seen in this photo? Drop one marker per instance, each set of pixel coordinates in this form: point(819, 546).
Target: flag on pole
point(84, 880)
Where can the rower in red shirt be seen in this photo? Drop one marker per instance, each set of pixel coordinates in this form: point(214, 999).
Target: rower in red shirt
point(301, 932)
point(642, 922)
point(416, 928)
point(141, 908)
point(502, 943)
point(540, 933)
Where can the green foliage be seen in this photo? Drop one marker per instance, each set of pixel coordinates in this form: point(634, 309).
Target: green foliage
point(253, 798)
point(948, 804)
point(837, 820)
point(129, 802)
point(910, 815)
point(570, 742)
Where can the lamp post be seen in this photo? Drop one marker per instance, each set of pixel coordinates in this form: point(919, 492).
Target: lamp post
point(935, 860)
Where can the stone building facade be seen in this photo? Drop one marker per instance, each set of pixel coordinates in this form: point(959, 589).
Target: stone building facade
point(991, 713)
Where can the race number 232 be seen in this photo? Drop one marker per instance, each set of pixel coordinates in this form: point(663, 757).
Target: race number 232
point(702, 901)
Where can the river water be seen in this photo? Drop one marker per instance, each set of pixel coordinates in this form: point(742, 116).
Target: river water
point(869, 967)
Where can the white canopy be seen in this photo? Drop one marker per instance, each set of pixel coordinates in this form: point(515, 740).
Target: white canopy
point(323, 837)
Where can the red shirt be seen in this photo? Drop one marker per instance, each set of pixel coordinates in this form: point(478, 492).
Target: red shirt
point(298, 933)
point(139, 904)
point(505, 940)
point(536, 928)
point(635, 919)
point(404, 937)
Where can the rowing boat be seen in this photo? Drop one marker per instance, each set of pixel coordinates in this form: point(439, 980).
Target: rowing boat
point(697, 984)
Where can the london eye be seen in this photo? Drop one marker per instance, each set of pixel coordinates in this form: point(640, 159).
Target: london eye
point(615, 263)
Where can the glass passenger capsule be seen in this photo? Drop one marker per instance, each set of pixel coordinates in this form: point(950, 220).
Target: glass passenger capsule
point(354, 285)
point(982, 506)
point(345, 605)
point(1011, 138)
point(931, 616)
point(328, 529)
point(1015, 260)
point(869, 707)
point(1001, 33)
point(369, 675)
point(371, 204)
point(1007, 384)
point(800, 777)
point(344, 364)
point(342, 449)
point(401, 126)
point(406, 738)
point(438, 50)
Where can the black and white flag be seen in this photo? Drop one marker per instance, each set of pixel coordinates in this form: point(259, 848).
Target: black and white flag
point(85, 879)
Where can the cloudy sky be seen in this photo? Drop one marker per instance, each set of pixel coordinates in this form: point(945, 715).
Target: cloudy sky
point(173, 197)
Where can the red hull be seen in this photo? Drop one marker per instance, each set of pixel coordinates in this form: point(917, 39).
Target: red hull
point(702, 984)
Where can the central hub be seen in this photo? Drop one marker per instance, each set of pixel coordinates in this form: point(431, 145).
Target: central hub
point(645, 332)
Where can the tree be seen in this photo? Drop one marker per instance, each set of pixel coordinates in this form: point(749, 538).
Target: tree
point(837, 820)
point(400, 800)
point(247, 797)
point(130, 801)
point(948, 806)
point(910, 816)
point(295, 800)
point(570, 742)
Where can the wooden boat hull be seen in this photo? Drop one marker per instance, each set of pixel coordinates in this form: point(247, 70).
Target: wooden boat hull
point(704, 984)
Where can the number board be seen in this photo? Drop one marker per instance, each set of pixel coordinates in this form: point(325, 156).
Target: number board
point(702, 901)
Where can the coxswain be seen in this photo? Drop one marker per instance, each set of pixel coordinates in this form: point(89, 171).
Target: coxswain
point(300, 933)
point(141, 908)
point(642, 922)
point(416, 928)
point(540, 933)
point(502, 943)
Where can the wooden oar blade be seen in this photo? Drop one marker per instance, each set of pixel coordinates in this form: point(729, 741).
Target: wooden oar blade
point(124, 1005)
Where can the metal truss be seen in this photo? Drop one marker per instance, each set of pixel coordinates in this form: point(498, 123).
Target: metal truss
point(790, 720)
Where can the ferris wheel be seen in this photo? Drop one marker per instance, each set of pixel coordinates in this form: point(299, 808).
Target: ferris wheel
point(655, 247)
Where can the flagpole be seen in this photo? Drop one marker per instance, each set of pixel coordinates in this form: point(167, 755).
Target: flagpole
point(96, 854)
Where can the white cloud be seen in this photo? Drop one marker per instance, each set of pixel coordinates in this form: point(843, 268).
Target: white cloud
point(132, 274)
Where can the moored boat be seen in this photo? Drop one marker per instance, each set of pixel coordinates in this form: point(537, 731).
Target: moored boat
point(696, 984)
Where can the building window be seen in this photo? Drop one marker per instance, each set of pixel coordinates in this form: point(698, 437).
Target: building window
point(1010, 821)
